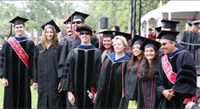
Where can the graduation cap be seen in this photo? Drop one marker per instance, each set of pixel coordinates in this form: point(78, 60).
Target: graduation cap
point(137, 40)
point(79, 15)
point(158, 29)
point(68, 21)
point(86, 28)
point(126, 35)
point(51, 23)
point(189, 22)
point(196, 22)
point(108, 33)
point(150, 43)
point(170, 35)
point(18, 20)
point(169, 24)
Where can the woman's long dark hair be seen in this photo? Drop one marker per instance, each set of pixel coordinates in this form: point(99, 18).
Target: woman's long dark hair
point(146, 70)
point(132, 60)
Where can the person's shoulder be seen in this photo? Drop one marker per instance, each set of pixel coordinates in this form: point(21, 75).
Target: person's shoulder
point(185, 53)
point(30, 42)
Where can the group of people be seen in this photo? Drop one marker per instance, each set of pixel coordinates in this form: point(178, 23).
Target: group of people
point(78, 73)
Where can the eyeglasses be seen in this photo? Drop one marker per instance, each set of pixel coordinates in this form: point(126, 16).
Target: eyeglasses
point(82, 33)
point(165, 43)
point(77, 22)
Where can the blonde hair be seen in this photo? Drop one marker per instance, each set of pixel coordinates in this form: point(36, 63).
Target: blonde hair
point(122, 39)
point(44, 39)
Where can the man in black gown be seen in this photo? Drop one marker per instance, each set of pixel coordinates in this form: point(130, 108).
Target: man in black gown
point(17, 71)
point(176, 75)
point(83, 64)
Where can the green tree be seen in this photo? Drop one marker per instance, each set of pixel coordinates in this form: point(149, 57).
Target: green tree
point(117, 11)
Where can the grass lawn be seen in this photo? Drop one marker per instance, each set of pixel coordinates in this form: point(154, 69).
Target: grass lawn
point(34, 96)
point(132, 104)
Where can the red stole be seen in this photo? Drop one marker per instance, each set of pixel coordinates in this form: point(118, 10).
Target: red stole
point(19, 50)
point(172, 76)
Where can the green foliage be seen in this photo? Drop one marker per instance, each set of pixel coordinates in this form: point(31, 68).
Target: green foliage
point(117, 11)
point(37, 11)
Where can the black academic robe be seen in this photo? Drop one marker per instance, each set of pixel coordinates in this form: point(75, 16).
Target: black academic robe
point(185, 85)
point(17, 94)
point(145, 94)
point(109, 91)
point(130, 78)
point(83, 64)
point(130, 81)
point(95, 41)
point(46, 75)
point(190, 38)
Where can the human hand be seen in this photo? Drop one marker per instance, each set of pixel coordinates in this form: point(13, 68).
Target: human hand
point(189, 105)
point(71, 98)
point(59, 89)
point(169, 93)
point(5, 82)
point(34, 86)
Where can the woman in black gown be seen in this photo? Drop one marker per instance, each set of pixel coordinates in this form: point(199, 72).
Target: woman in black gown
point(45, 75)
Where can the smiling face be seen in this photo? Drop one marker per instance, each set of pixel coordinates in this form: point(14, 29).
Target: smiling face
point(119, 46)
point(19, 30)
point(150, 53)
point(167, 46)
point(85, 37)
point(136, 50)
point(49, 34)
point(69, 31)
point(77, 23)
point(107, 42)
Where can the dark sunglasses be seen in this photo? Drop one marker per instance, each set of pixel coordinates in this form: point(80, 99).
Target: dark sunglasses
point(77, 22)
point(163, 44)
point(86, 33)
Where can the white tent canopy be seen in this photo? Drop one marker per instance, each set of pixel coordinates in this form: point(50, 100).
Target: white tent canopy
point(173, 10)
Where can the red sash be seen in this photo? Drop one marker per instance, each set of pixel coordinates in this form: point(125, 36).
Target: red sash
point(172, 76)
point(19, 50)
point(168, 69)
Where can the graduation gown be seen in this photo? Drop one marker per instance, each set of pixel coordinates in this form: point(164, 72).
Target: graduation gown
point(83, 64)
point(130, 80)
point(46, 75)
point(95, 41)
point(17, 94)
point(145, 94)
point(109, 91)
point(190, 38)
point(185, 85)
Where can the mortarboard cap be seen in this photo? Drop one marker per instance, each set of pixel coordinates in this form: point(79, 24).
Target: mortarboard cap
point(137, 40)
point(150, 43)
point(170, 35)
point(169, 24)
point(196, 22)
point(79, 15)
point(18, 20)
point(189, 22)
point(52, 23)
point(158, 29)
point(108, 33)
point(68, 21)
point(86, 28)
point(126, 35)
